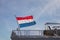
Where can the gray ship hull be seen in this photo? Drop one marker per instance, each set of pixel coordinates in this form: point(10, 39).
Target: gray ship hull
point(36, 38)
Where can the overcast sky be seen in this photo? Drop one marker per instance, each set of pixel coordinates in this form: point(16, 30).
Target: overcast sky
point(42, 10)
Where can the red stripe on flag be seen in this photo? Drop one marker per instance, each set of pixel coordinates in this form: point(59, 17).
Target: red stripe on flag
point(24, 18)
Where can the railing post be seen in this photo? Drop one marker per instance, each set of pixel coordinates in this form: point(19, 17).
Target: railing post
point(30, 32)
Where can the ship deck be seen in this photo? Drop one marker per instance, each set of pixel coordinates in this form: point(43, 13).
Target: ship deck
point(31, 35)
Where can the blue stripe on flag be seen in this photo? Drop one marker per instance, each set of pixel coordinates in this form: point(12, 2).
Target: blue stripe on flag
point(27, 24)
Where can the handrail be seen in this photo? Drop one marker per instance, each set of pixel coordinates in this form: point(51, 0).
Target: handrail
point(28, 32)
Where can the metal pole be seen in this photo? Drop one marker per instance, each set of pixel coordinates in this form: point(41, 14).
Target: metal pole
point(17, 23)
point(18, 29)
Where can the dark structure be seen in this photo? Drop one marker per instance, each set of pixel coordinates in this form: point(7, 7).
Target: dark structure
point(53, 29)
point(51, 33)
point(16, 35)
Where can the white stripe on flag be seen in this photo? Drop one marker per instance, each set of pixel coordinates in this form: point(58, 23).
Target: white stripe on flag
point(24, 21)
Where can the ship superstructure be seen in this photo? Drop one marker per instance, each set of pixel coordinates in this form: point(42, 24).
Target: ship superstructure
point(51, 32)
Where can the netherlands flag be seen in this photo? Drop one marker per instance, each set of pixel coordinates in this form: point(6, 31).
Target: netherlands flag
point(25, 21)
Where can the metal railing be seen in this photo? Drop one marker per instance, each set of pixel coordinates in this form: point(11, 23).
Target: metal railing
point(28, 32)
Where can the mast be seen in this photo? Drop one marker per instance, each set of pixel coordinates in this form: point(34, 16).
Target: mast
point(18, 29)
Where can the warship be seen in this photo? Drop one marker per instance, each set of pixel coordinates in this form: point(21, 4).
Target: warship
point(51, 32)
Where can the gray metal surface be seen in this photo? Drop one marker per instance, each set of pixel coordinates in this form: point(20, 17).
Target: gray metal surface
point(29, 36)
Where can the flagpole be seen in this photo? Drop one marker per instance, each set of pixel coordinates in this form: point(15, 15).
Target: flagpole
point(17, 23)
point(18, 29)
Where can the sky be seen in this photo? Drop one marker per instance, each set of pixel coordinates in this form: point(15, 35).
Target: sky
point(42, 10)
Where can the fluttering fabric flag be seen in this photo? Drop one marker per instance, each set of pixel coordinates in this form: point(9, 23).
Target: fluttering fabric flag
point(25, 21)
